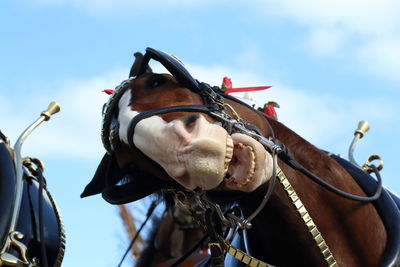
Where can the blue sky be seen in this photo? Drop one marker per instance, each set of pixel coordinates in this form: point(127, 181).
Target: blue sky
point(331, 64)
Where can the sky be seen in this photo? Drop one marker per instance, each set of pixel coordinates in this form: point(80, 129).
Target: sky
point(331, 64)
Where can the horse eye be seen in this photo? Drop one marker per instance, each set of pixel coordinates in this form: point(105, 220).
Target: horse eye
point(156, 80)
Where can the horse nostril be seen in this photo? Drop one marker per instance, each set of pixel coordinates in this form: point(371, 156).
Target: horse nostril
point(190, 120)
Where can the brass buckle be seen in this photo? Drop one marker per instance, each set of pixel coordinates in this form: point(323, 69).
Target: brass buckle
point(368, 166)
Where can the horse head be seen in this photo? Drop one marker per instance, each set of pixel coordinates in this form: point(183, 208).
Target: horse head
point(162, 125)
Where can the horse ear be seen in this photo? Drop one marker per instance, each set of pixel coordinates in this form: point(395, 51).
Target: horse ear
point(136, 65)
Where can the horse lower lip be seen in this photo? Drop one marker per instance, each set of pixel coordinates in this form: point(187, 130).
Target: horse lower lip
point(242, 166)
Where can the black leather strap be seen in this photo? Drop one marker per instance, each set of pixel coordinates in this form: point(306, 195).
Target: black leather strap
point(157, 111)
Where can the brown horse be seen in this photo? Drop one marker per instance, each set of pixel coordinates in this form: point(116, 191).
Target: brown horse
point(172, 237)
point(161, 128)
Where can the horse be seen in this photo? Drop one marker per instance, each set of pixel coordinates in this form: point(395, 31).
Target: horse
point(31, 228)
point(173, 235)
point(299, 205)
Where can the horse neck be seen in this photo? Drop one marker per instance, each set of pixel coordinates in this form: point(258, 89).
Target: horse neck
point(277, 235)
point(353, 231)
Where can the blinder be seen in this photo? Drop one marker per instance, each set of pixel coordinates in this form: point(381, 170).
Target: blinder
point(173, 65)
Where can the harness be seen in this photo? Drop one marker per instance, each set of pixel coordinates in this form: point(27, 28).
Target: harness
point(214, 105)
point(31, 231)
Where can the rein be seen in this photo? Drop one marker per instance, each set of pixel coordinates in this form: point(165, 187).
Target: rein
point(150, 211)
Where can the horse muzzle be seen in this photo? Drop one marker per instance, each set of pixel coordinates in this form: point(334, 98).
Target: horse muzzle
point(197, 153)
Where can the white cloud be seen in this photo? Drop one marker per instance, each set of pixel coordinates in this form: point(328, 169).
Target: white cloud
point(369, 30)
point(75, 131)
point(358, 16)
point(366, 31)
point(324, 41)
point(383, 57)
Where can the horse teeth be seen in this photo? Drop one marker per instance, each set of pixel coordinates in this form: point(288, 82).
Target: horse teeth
point(252, 165)
point(228, 153)
point(240, 145)
point(231, 180)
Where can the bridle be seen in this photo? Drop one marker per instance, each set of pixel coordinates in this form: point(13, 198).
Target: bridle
point(213, 105)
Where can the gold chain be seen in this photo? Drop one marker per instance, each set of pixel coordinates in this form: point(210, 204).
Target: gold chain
point(312, 227)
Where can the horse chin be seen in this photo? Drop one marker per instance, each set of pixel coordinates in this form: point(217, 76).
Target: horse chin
point(250, 167)
point(206, 161)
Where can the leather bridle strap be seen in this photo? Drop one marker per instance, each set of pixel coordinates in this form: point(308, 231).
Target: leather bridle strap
point(287, 158)
point(184, 108)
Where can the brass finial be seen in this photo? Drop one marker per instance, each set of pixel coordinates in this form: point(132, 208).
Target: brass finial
point(363, 127)
point(51, 110)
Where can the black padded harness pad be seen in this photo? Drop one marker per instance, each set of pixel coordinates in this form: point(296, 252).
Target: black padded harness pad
point(386, 207)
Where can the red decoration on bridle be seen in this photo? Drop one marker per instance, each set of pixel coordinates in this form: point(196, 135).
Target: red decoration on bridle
point(245, 89)
point(108, 91)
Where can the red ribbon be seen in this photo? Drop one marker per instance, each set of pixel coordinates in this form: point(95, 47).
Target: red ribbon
point(245, 89)
point(108, 91)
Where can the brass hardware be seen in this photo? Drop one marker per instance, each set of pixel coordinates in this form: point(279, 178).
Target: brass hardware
point(244, 257)
point(29, 162)
point(215, 245)
point(308, 221)
point(235, 115)
point(51, 110)
point(368, 166)
point(7, 259)
point(363, 127)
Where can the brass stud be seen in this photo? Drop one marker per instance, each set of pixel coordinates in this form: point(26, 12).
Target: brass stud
point(319, 239)
point(246, 259)
point(302, 211)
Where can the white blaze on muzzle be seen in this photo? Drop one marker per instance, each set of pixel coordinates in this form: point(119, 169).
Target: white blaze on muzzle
point(194, 155)
point(197, 153)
